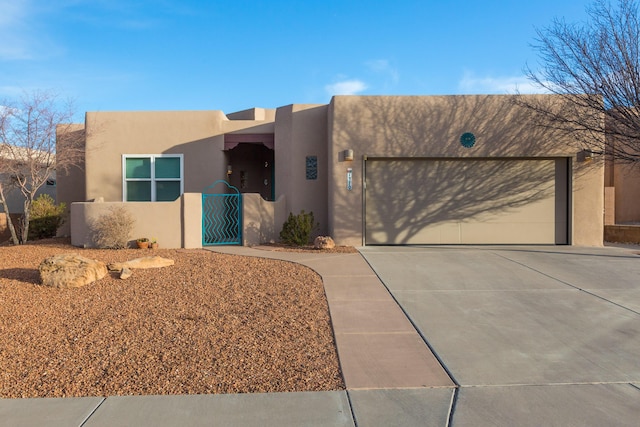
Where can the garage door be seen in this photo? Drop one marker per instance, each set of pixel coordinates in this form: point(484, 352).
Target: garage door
point(462, 201)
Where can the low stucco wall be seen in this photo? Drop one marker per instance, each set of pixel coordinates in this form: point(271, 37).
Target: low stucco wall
point(261, 220)
point(192, 220)
point(622, 233)
point(178, 224)
point(627, 193)
point(162, 221)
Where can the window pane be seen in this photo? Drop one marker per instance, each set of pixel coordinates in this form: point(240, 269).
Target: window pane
point(168, 167)
point(138, 191)
point(167, 191)
point(138, 167)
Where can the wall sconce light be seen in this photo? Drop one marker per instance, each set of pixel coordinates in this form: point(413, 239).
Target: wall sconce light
point(229, 170)
point(347, 155)
point(587, 155)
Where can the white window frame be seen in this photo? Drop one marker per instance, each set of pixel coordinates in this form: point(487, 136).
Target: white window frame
point(153, 178)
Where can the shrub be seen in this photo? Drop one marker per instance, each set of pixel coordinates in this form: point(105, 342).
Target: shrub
point(112, 230)
point(297, 229)
point(45, 217)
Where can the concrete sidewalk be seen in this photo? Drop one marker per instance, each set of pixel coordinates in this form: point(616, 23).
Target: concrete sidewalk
point(392, 377)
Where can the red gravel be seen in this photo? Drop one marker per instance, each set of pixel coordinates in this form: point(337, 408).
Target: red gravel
point(211, 323)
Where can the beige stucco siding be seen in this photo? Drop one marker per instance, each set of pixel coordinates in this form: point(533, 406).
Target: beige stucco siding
point(301, 131)
point(627, 193)
point(430, 127)
point(197, 135)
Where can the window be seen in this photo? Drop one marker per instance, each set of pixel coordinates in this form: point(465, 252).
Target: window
point(152, 177)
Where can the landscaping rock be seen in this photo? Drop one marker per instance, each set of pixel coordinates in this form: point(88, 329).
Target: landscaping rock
point(125, 273)
point(145, 262)
point(70, 271)
point(324, 242)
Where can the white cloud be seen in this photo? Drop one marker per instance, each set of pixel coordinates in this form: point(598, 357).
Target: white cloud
point(346, 87)
point(383, 66)
point(471, 84)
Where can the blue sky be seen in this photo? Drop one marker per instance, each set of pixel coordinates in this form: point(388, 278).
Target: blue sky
point(232, 55)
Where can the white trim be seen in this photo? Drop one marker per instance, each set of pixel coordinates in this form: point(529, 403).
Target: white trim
point(152, 178)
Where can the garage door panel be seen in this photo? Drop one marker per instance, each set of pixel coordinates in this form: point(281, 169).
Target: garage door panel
point(494, 233)
point(466, 201)
point(538, 211)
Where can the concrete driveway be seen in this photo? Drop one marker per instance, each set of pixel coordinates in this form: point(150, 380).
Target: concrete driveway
point(531, 335)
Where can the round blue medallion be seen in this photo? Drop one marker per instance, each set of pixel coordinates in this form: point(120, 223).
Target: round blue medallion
point(468, 140)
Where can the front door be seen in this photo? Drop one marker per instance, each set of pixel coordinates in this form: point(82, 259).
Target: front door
point(252, 169)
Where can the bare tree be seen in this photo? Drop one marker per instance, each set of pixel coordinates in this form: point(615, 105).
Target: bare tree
point(595, 67)
point(28, 129)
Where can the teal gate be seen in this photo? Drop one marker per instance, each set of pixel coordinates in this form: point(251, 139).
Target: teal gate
point(221, 215)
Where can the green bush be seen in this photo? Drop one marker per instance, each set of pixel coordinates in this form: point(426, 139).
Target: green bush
point(45, 217)
point(297, 229)
point(112, 230)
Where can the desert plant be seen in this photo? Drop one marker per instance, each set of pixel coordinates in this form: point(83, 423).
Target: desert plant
point(297, 229)
point(46, 217)
point(112, 230)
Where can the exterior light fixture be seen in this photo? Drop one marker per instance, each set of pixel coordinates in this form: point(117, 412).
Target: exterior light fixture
point(587, 155)
point(347, 155)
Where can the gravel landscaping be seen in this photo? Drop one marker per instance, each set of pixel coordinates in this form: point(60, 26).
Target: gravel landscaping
point(211, 323)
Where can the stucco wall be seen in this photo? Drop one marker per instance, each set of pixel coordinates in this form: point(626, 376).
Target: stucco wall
point(192, 217)
point(70, 182)
point(430, 127)
point(301, 131)
point(260, 219)
point(627, 193)
point(195, 134)
point(162, 221)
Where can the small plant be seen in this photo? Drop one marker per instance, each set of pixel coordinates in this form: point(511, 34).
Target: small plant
point(111, 230)
point(45, 217)
point(297, 229)
point(142, 239)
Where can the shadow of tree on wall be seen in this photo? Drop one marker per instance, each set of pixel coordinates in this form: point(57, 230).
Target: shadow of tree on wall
point(448, 189)
point(451, 191)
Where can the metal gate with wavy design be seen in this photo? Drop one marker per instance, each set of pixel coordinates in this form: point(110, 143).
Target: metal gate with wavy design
point(221, 215)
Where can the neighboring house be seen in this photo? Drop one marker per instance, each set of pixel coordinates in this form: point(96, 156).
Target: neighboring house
point(15, 198)
point(373, 169)
point(622, 193)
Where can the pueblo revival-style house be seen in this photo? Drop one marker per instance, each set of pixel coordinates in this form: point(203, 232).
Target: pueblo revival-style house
point(374, 170)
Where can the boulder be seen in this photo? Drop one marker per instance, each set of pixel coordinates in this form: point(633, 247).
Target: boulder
point(324, 242)
point(70, 271)
point(145, 262)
